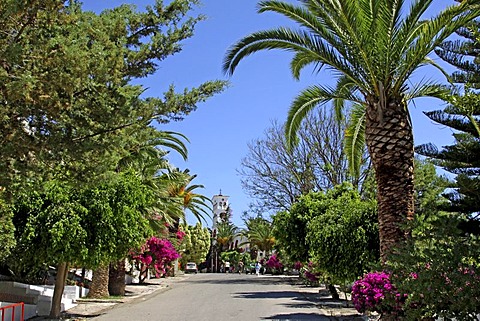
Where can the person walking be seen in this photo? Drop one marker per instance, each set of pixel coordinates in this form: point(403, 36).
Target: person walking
point(258, 266)
point(240, 267)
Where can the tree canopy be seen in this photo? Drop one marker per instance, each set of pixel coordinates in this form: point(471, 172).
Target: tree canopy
point(373, 48)
point(67, 83)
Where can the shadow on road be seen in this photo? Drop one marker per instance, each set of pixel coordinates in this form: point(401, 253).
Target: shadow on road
point(297, 316)
point(241, 279)
point(269, 295)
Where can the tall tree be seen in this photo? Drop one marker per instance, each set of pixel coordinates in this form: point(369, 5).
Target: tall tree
point(275, 176)
point(66, 84)
point(70, 108)
point(195, 243)
point(259, 234)
point(462, 114)
point(226, 232)
point(373, 47)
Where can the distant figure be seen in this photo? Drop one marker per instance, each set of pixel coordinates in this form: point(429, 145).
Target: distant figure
point(258, 266)
point(227, 267)
point(240, 267)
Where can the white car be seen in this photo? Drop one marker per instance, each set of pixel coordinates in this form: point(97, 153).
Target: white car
point(191, 268)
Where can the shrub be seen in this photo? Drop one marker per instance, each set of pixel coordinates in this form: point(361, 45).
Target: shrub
point(375, 293)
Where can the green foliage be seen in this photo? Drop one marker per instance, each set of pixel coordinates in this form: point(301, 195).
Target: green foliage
point(226, 232)
point(68, 88)
point(88, 227)
point(439, 269)
point(195, 244)
point(428, 188)
point(231, 256)
point(290, 232)
point(259, 234)
point(115, 222)
point(343, 237)
point(49, 228)
point(7, 237)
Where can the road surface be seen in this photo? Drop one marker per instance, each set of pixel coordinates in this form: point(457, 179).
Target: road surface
point(221, 297)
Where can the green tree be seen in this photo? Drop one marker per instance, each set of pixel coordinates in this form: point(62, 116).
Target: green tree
point(259, 234)
point(461, 115)
point(195, 244)
point(343, 236)
point(61, 225)
point(67, 86)
point(373, 48)
point(226, 232)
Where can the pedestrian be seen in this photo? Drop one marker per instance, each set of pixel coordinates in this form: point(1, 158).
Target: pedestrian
point(258, 266)
point(240, 267)
point(227, 267)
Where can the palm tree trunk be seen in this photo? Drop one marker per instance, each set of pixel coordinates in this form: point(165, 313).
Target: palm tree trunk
point(389, 140)
point(116, 282)
point(99, 286)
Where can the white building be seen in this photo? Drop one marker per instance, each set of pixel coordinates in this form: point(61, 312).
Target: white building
point(221, 213)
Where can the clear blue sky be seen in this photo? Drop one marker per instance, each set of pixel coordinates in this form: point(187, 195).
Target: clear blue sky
point(261, 90)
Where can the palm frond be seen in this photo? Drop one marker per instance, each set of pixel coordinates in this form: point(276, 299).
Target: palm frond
point(428, 89)
point(308, 99)
point(431, 34)
point(355, 139)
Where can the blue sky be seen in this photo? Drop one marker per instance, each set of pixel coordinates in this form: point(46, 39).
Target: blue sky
point(260, 91)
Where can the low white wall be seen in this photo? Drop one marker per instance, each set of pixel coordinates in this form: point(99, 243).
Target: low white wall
point(40, 296)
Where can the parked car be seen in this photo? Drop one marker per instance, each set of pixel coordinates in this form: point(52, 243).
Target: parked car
point(191, 268)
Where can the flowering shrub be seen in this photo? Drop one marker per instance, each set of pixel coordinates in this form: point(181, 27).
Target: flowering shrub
point(180, 234)
point(274, 263)
point(446, 262)
point(157, 254)
point(310, 274)
point(297, 265)
point(375, 293)
point(440, 291)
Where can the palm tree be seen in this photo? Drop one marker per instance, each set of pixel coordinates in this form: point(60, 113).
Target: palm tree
point(373, 47)
point(259, 234)
point(226, 232)
point(197, 204)
point(147, 159)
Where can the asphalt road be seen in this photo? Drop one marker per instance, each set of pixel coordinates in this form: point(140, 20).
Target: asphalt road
point(215, 297)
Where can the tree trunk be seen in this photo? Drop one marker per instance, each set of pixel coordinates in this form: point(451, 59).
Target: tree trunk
point(60, 280)
point(333, 291)
point(99, 286)
point(389, 139)
point(116, 282)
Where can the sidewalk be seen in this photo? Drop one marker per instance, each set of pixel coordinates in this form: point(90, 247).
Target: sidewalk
point(339, 310)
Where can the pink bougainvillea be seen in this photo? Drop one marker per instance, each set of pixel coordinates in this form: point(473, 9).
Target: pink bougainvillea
point(297, 265)
point(157, 254)
point(274, 263)
point(180, 234)
point(371, 292)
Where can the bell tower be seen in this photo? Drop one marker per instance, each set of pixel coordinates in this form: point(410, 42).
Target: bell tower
point(220, 209)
